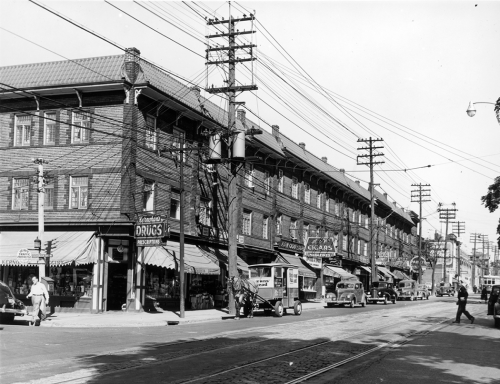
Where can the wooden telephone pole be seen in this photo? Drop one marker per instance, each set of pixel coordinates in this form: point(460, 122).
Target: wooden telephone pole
point(459, 229)
point(235, 136)
point(446, 214)
point(371, 156)
point(418, 196)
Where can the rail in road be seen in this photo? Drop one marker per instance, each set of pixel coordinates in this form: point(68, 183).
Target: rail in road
point(284, 353)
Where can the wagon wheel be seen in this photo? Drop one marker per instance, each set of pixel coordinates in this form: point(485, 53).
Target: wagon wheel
point(278, 309)
point(297, 308)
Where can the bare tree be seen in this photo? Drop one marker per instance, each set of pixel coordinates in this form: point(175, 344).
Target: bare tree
point(431, 253)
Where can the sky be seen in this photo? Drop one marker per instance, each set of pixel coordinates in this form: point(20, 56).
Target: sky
point(329, 73)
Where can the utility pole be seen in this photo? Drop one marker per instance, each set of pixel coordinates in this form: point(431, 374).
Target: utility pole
point(371, 156)
point(446, 214)
point(458, 228)
point(41, 211)
point(473, 239)
point(418, 196)
point(236, 136)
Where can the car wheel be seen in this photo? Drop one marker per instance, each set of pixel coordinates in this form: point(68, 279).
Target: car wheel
point(351, 304)
point(297, 308)
point(278, 309)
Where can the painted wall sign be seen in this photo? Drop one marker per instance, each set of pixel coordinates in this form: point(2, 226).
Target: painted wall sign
point(291, 246)
point(321, 247)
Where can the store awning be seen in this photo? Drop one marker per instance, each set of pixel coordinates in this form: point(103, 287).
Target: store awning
point(221, 256)
point(386, 272)
point(195, 261)
point(367, 269)
point(344, 275)
point(400, 275)
point(297, 261)
point(379, 272)
point(64, 247)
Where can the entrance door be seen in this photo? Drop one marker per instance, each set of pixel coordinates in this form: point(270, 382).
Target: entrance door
point(117, 286)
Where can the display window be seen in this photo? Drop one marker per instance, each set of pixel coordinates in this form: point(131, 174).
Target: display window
point(161, 283)
point(309, 284)
point(72, 281)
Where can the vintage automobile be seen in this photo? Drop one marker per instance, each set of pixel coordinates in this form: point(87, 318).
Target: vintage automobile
point(382, 292)
point(9, 305)
point(408, 290)
point(445, 289)
point(347, 292)
point(425, 293)
point(494, 304)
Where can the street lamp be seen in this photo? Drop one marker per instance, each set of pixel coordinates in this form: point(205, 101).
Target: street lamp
point(471, 109)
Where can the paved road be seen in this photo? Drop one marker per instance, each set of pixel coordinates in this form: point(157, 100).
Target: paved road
point(274, 350)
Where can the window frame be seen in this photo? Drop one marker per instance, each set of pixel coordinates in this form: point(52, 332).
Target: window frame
point(281, 181)
point(24, 132)
point(177, 215)
point(150, 133)
point(85, 131)
point(249, 174)
point(295, 187)
point(267, 183)
point(294, 228)
point(327, 202)
point(205, 205)
point(72, 186)
point(265, 227)
point(279, 224)
point(24, 189)
point(318, 200)
point(177, 133)
point(151, 196)
point(246, 219)
point(48, 187)
point(307, 193)
point(46, 123)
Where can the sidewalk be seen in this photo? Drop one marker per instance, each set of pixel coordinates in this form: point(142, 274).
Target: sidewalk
point(113, 319)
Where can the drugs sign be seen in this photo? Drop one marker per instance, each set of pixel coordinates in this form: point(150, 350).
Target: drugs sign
point(149, 231)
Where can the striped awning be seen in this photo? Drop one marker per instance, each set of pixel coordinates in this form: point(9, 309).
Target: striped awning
point(343, 274)
point(297, 261)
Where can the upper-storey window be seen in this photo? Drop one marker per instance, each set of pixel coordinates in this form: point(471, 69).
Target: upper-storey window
point(249, 172)
point(337, 208)
point(307, 193)
point(150, 139)
point(318, 200)
point(327, 202)
point(20, 193)
point(205, 212)
point(178, 137)
point(267, 183)
point(295, 188)
point(79, 192)
point(281, 181)
point(23, 130)
point(148, 195)
point(293, 229)
point(246, 226)
point(48, 196)
point(265, 227)
point(279, 224)
point(49, 131)
point(81, 127)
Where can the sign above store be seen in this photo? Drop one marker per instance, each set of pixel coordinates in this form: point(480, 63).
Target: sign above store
point(291, 246)
point(321, 247)
point(150, 230)
point(24, 253)
point(415, 266)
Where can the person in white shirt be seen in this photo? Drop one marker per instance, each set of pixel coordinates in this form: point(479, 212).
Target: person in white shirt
point(39, 299)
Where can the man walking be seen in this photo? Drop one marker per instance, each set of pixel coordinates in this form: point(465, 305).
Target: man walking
point(39, 299)
point(462, 302)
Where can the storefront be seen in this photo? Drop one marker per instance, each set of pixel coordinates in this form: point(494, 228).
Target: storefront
point(307, 276)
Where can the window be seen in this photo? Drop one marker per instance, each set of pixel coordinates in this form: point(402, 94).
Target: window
point(79, 192)
point(20, 193)
point(48, 196)
point(359, 247)
point(337, 208)
point(150, 132)
point(344, 242)
point(327, 202)
point(49, 133)
point(205, 210)
point(178, 136)
point(175, 209)
point(327, 233)
point(295, 188)
point(353, 216)
point(281, 181)
point(317, 232)
point(279, 224)
point(267, 183)
point(81, 125)
point(249, 175)
point(23, 130)
point(148, 194)
point(360, 218)
point(318, 200)
point(307, 193)
point(293, 229)
point(306, 232)
point(265, 227)
point(246, 227)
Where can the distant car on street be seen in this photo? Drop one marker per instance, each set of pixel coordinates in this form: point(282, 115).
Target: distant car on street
point(382, 292)
point(494, 304)
point(408, 290)
point(445, 289)
point(9, 305)
point(346, 293)
point(424, 291)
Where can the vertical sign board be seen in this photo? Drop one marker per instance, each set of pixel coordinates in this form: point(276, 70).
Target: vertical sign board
point(319, 248)
point(150, 230)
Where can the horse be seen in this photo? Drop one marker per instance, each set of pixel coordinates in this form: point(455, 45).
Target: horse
point(244, 293)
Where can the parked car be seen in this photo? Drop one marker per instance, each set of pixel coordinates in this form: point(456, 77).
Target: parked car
point(424, 291)
point(408, 290)
point(445, 289)
point(346, 293)
point(9, 305)
point(383, 292)
point(494, 304)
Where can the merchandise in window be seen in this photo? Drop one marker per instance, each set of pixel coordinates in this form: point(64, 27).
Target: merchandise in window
point(79, 192)
point(81, 127)
point(23, 130)
point(20, 193)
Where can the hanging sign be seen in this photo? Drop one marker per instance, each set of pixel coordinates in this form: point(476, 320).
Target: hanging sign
point(150, 230)
point(314, 261)
point(415, 265)
point(322, 247)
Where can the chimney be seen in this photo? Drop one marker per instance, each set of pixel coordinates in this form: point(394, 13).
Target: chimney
point(132, 66)
point(196, 90)
point(241, 114)
point(385, 195)
point(302, 145)
point(395, 204)
point(342, 170)
point(357, 182)
point(276, 131)
point(325, 159)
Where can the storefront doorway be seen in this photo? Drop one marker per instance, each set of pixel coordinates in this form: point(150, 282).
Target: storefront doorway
point(117, 286)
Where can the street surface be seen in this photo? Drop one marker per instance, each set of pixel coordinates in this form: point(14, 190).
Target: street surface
point(408, 342)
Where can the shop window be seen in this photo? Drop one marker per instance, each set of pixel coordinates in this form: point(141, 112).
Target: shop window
point(148, 195)
point(205, 212)
point(175, 209)
point(81, 127)
point(23, 130)
point(281, 181)
point(246, 227)
point(267, 183)
point(279, 225)
point(265, 227)
point(307, 193)
point(48, 196)
point(309, 284)
point(79, 192)
point(49, 132)
point(295, 188)
point(20, 194)
point(150, 134)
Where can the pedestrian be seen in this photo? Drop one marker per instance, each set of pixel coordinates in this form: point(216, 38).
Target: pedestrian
point(484, 294)
point(462, 302)
point(39, 299)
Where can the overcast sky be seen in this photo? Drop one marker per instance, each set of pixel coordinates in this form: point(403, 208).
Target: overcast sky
point(413, 65)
